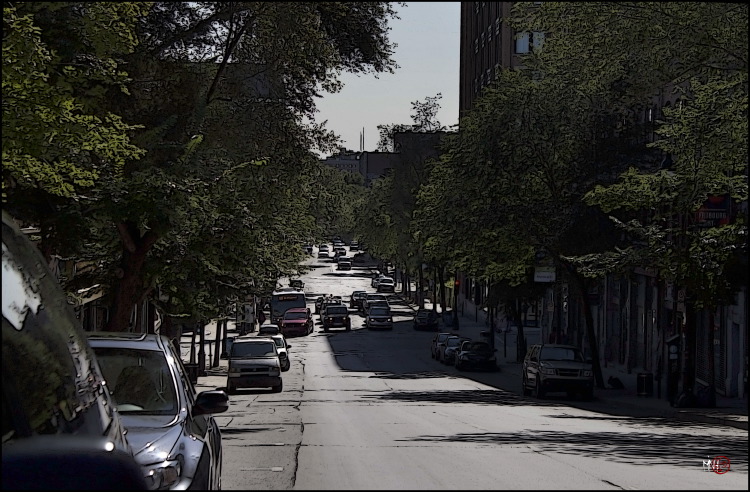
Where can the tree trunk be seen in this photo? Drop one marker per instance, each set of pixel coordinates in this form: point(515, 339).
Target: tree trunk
point(441, 281)
point(582, 287)
point(221, 327)
point(130, 289)
point(420, 287)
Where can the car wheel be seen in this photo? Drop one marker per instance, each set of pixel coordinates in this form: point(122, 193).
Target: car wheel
point(325, 329)
point(524, 387)
point(538, 391)
point(231, 389)
point(348, 327)
point(277, 389)
point(588, 394)
point(459, 366)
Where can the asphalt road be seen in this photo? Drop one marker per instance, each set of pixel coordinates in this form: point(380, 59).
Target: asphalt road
point(372, 410)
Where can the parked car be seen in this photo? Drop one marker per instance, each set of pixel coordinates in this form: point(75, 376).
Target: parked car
point(297, 283)
point(269, 329)
point(336, 316)
point(386, 285)
point(344, 264)
point(355, 300)
point(476, 355)
point(296, 322)
point(283, 349)
point(426, 319)
point(437, 343)
point(379, 318)
point(354, 246)
point(61, 429)
point(323, 251)
point(254, 363)
point(376, 279)
point(171, 428)
point(555, 367)
point(448, 351)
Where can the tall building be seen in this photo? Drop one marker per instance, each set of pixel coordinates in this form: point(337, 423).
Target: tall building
point(488, 44)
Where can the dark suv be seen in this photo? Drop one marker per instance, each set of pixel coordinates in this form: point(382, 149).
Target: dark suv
point(552, 367)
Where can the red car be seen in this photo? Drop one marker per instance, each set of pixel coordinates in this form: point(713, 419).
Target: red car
point(297, 322)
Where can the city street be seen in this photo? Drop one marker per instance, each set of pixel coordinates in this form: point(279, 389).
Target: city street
point(372, 410)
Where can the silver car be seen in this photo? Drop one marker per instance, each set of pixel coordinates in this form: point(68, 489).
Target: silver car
point(171, 428)
point(283, 349)
point(254, 363)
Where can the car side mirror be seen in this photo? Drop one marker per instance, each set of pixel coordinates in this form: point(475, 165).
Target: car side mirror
point(288, 346)
point(208, 402)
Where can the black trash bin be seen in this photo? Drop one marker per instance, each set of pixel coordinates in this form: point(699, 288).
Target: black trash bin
point(645, 384)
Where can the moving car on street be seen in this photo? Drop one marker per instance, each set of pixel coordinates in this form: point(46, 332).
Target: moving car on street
point(296, 322)
point(426, 319)
point(554, 367)
point(336, 316)
point(254, 363)
point(171, 428)
point(355, 300)
point(379, 318)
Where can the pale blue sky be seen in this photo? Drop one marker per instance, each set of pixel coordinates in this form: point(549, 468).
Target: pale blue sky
point(428, 51)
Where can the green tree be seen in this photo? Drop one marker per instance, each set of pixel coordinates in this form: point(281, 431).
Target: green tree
point(221, 91)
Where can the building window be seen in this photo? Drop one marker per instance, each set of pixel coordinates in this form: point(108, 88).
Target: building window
point(526, 41)
point(497, 26)
point(476, 46)
point(482, 40)
point(489, 33)
point(489, 75)
point(476, 7)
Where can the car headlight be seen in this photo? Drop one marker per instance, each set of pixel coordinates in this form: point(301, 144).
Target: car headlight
point(274, 372)
point(390, 320)
point(548, 371)
point(163, 475)
point(234, 370)
point(463, 357)
point(588, 374)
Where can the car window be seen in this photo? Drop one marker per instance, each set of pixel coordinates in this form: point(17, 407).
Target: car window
point(254, 349)
point(561, 353)
point(378, 311)
point(337, 310)
point(295, 315)
point(141, 380)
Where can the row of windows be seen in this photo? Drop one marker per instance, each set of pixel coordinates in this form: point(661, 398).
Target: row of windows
point(524, 43)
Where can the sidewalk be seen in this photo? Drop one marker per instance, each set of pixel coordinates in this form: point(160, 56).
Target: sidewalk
point(729, 411)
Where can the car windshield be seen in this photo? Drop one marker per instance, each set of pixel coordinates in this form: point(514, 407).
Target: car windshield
point(478, 347)
point(561, 353)
point(337, 310)
point(295, 315)
point(279, 342)
point(454, 342)
point(254, 349)
point(141, 380)
point(379, 311)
